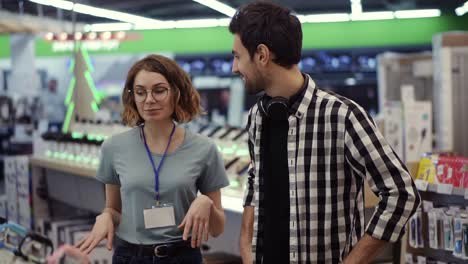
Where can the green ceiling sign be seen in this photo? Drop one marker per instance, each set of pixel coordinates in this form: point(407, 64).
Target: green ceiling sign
point(316, 35)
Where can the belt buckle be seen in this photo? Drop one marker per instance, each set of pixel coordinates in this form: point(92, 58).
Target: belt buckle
point(156, 251)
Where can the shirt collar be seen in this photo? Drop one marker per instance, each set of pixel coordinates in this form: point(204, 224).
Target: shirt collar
point(301, 100)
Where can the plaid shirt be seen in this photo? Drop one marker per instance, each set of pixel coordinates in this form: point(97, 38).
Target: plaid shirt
point(333, 146)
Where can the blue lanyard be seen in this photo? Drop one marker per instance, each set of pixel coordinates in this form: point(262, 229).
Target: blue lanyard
point(156, 171)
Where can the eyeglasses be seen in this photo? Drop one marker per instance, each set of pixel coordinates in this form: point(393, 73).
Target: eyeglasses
point(158, 94)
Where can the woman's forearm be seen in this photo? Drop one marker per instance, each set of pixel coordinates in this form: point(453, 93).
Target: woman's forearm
point(114, 213)
point(217, 220)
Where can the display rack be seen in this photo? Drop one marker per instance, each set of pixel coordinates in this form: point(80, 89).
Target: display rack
point(232, 202)
point(441, 196)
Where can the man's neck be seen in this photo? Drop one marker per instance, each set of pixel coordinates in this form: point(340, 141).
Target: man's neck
point(285, 82)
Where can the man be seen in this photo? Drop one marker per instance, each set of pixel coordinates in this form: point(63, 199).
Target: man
point(311, 151)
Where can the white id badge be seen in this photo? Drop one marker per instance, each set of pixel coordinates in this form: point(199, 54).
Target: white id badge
point(159, 216)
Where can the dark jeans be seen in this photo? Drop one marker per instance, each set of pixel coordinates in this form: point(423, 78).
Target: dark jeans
point(124, 255)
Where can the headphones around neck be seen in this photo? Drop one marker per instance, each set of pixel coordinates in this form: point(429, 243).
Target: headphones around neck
point(276, 108)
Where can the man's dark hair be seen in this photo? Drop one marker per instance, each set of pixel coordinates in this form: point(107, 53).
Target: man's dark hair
point(272, 25)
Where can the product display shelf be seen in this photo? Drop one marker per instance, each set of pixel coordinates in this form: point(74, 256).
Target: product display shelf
point(439, 195)
point(231, 198)
point(10, 258)
point(65, 166)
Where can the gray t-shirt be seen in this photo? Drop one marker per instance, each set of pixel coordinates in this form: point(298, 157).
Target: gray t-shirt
point(195, 165)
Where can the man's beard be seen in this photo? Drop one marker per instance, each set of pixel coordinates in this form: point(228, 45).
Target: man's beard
point(254, 86)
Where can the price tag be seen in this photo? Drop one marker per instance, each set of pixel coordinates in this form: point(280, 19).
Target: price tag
point(444, 188)
point(421, 184)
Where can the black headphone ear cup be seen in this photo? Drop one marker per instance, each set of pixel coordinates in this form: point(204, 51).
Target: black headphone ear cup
point(262, 102)
point(278, 108)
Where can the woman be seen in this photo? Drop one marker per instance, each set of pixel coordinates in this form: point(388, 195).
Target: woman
point(154, 171)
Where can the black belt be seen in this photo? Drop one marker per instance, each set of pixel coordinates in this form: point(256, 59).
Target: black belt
point(172, 249)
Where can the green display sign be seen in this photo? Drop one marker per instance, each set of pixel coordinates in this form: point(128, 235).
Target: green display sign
point(394, 32)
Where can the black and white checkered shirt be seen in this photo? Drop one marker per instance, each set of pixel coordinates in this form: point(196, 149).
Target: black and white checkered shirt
point(333, 146)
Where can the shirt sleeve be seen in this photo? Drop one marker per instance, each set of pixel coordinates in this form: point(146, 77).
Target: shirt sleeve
point(373, 159)
point(106, 172)
point(250, 190)
point(214, 175)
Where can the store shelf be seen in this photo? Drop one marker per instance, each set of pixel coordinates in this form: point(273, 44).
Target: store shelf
point(232, 201)
point(440, 195)
point(69, 167)
point(437, 254)
point(233, 204)
point(437, 189)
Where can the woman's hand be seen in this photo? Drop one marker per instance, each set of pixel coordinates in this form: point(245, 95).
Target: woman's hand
point(103, 228)
point(197, 220)
point(67, 251)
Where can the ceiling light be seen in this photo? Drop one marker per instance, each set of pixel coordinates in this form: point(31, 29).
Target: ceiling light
point(199, 23)
point(161, 25)
point(105, 35)
point(372, 16)
point(417, 13)
point(110, 14)
point(91, 36)
point(323, 18)
point(99, 27)
point(120, 35)
point(49, 36)
point(78, 35)
point(218, 6)
point(356, 6)
point(67, 5)
point(63, 36)
point(460, 11)
point(95, 11)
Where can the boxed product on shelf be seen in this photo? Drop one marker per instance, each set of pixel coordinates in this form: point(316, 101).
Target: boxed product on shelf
point(408, 128)
point(465, 238)
point(416, 238)
point(426, 168)
point(417, 118)
point(452, 170)
point(52, 229)
point(393, 126)
point(3, 206)
point(458, 235)
point(448, 230)
point(432, 217)
point(11, 189)
point(444, 169)
point(24, 191)
point(18, 190)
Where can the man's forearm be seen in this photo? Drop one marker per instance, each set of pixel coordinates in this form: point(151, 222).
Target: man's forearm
point(245, 240)
point(365, 250)
point(245, 247)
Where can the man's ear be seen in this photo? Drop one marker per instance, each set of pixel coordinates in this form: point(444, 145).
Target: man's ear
point(263, 54)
